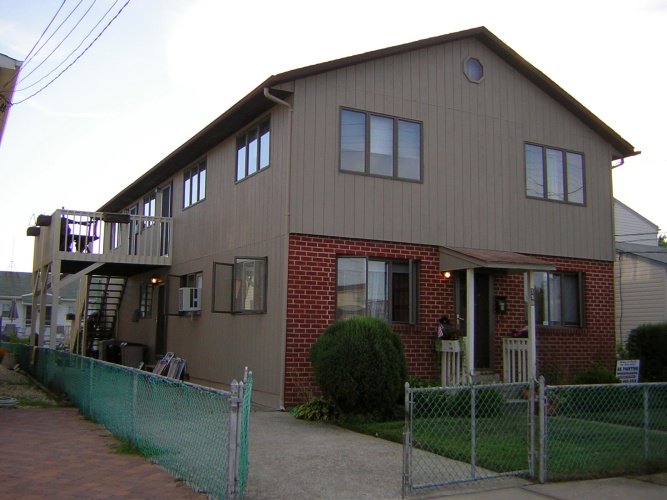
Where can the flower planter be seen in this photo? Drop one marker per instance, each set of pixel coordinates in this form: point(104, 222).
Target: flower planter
point(447, 345)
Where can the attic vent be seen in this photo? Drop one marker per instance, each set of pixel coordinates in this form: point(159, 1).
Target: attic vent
point(473, 70)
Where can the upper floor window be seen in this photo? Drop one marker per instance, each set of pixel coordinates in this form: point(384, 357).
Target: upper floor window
point(554, 174)
point(252, 150)
point(149, 208)
point(149, 205)
point(385, 289)
point(473, 70)
point(194, 184)
point(380, 145)
point(559, 299)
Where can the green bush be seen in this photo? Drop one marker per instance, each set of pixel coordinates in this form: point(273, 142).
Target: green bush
point(582, 402)
point(648, 343)
point(595, 375)
point(359, 364)
point(318, 409)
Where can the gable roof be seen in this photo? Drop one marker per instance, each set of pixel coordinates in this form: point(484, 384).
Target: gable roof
point(254, 103)
point(15, 284)
point(636, 214)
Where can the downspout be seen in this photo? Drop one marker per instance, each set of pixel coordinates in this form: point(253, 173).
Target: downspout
point(290, 110)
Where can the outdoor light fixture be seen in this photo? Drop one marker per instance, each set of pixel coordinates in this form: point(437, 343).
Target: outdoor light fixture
point(446, 275)
point(501, 304)
point(155, 280)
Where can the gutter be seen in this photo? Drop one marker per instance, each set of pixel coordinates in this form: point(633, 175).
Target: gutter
point(285, 276)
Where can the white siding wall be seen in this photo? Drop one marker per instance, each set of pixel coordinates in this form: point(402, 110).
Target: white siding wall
point(633, 228)
point(641, 293)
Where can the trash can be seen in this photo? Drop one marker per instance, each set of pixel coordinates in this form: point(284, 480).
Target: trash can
point(132, 354)
point(110, 351)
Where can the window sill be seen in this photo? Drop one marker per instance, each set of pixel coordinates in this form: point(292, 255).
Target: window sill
point(561, 330)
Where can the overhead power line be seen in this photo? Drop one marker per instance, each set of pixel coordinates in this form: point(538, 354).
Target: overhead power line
point(11, 80)
point(77, 57)
point(28, 60)
point(72, 52)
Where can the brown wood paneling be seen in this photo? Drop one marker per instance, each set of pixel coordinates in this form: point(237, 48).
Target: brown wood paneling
point(472, 194)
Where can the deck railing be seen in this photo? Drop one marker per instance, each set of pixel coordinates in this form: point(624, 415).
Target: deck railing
point(515, 360)
point(106, 237)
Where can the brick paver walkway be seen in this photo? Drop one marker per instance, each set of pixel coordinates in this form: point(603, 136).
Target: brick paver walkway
point(55, 453)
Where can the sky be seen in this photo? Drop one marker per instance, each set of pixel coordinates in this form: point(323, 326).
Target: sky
point(164, 69)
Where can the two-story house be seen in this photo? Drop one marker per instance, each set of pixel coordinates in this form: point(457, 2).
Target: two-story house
point(442, 177)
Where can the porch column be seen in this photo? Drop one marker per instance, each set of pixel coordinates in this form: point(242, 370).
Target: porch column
point(55, 301)
point(532, 344)
point(470, 322)
point(34, 327)
point(44, 281)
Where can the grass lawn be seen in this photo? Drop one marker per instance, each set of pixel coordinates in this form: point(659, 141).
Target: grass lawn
point(577, 448)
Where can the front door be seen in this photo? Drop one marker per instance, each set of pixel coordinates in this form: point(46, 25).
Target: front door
point(483, 315)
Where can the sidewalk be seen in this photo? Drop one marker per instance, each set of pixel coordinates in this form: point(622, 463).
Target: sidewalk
point(294, 459)
point(55, 453)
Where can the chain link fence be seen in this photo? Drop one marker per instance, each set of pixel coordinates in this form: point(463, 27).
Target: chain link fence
point(462, 434)
point(604, 430)
point(199, 434)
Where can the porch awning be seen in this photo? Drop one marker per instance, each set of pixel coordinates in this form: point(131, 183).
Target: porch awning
point(455, 259)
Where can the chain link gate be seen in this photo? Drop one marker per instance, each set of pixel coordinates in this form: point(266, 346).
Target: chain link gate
point(469, 433)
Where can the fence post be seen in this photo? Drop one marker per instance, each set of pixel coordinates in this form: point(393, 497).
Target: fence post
point(531, 425)
point(232, 441)
point(473, 433)
point(90, 387)
point(133, 430)
point(646, 422)
point(543, 430)
point(407, 442)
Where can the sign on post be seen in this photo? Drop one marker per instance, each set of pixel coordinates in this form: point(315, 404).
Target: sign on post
point(627, 371)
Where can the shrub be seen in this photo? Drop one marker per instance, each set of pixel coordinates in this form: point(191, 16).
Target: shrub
point(595, 375)
point(318, 409)
point(360, 365)
point(648, 343)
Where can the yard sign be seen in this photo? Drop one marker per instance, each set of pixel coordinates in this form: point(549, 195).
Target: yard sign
point(627, 371)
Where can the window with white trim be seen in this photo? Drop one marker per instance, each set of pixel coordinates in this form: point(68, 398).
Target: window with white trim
point(194, 184)
point(253, 150)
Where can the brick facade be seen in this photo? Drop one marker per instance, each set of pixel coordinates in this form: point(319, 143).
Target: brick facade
point(312, 303)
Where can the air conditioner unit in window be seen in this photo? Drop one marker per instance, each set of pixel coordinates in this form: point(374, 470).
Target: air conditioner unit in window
point(189, 299)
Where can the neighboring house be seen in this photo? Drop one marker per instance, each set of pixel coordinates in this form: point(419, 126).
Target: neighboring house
point(442, 177)
point(8, 76)
point(640, 272)
point(16, 304)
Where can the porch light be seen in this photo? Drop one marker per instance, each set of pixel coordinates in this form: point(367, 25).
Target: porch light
point(446, 274)
point(501, 304)
point(155, 280)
